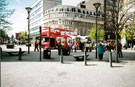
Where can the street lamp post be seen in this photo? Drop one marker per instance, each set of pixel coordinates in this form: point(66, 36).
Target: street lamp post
point(97, 5)
point(28, 10)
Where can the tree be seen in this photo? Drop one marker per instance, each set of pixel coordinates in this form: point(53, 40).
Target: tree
point(129, 33)
point(117, 14)
point(100, 33)
point(3, 35)
point(117, 17)
point(22, 35)
point(4, 15)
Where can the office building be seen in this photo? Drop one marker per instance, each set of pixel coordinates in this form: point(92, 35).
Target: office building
point(71, 17)
point(36, 15)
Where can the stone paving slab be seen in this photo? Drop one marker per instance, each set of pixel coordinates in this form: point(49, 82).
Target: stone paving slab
point(30, 72)
point(69, 74)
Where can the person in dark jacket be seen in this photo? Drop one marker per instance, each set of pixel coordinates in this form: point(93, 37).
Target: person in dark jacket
point(120, 54)
point(100, 51)
point(36, 46)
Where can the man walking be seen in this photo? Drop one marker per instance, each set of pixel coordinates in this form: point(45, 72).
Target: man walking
point(36, 46)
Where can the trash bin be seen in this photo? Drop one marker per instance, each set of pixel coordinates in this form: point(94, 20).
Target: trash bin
point(66, 51)
point(47, 53)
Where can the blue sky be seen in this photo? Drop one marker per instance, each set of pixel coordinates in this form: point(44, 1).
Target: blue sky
point(19, 17)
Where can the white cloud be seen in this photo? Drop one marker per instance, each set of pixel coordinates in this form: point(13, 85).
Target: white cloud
point(18, 1)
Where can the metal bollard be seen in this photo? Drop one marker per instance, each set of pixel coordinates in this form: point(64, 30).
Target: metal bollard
point(85, 57)
point(110, 58)
point(0, 53)
point(61, 56)
point(40, 30)
point(20, 54)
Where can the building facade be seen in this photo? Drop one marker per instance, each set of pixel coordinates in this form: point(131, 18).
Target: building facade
point(88, 4)
point(36, 15)
point(71, 17)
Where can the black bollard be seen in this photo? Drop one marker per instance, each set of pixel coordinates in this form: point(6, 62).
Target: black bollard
point(20, 54)
point(61, 55)
point(85, 57)
point(110, 58)
point(40, 30)
point(0, 53)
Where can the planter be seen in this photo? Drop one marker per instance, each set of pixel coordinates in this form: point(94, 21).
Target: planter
point(11, 46)
point(29, 45)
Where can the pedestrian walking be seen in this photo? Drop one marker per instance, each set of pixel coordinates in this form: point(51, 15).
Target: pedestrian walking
point(111, 45)
point(77, 45)
point(100, 51)
point(71, 45)
point(36, 46)
point(59, 46)
point(74, 46)
point(120, 49)
point(87, 46)
point(90, 46)
point(81, 46)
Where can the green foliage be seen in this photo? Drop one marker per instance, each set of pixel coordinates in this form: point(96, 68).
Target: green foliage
point(4, 15)
point(77, 39)
point(2, 33)
point(22, 35)
point(92, 33)
point(129, 32)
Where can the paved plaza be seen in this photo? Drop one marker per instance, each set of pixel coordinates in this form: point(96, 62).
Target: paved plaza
point(31, 72)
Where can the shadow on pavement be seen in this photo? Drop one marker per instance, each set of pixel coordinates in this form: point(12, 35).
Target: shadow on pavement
point(117, 66)
point(91, 65)
point(35, 57)
point(67, 63)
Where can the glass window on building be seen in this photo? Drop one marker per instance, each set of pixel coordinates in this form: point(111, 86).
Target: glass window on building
point(71, 22)
point(37, 5)
point(74, 10)
point(79, 11)
point(83, 11)
point(87, 12)
point(80, 16)
point(56, 14)
point(52, 10)
point(67, 9)
point(57, 9)
point(70, 28)
point(90, 13)
point(63, 14)
point(94, 14)
point(56, 22)
point(61, 9)
point(48, 11)
point(70, 9)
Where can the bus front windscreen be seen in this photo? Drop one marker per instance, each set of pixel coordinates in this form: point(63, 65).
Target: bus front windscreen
point(46, 39)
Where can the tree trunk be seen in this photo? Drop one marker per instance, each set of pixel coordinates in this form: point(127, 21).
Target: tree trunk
point(116, 59)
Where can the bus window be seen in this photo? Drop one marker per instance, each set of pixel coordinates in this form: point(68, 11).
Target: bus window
point(46, 39)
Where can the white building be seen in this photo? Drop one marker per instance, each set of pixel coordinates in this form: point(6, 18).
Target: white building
point(88, 4)
point(71, 17)
point(36, 15)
